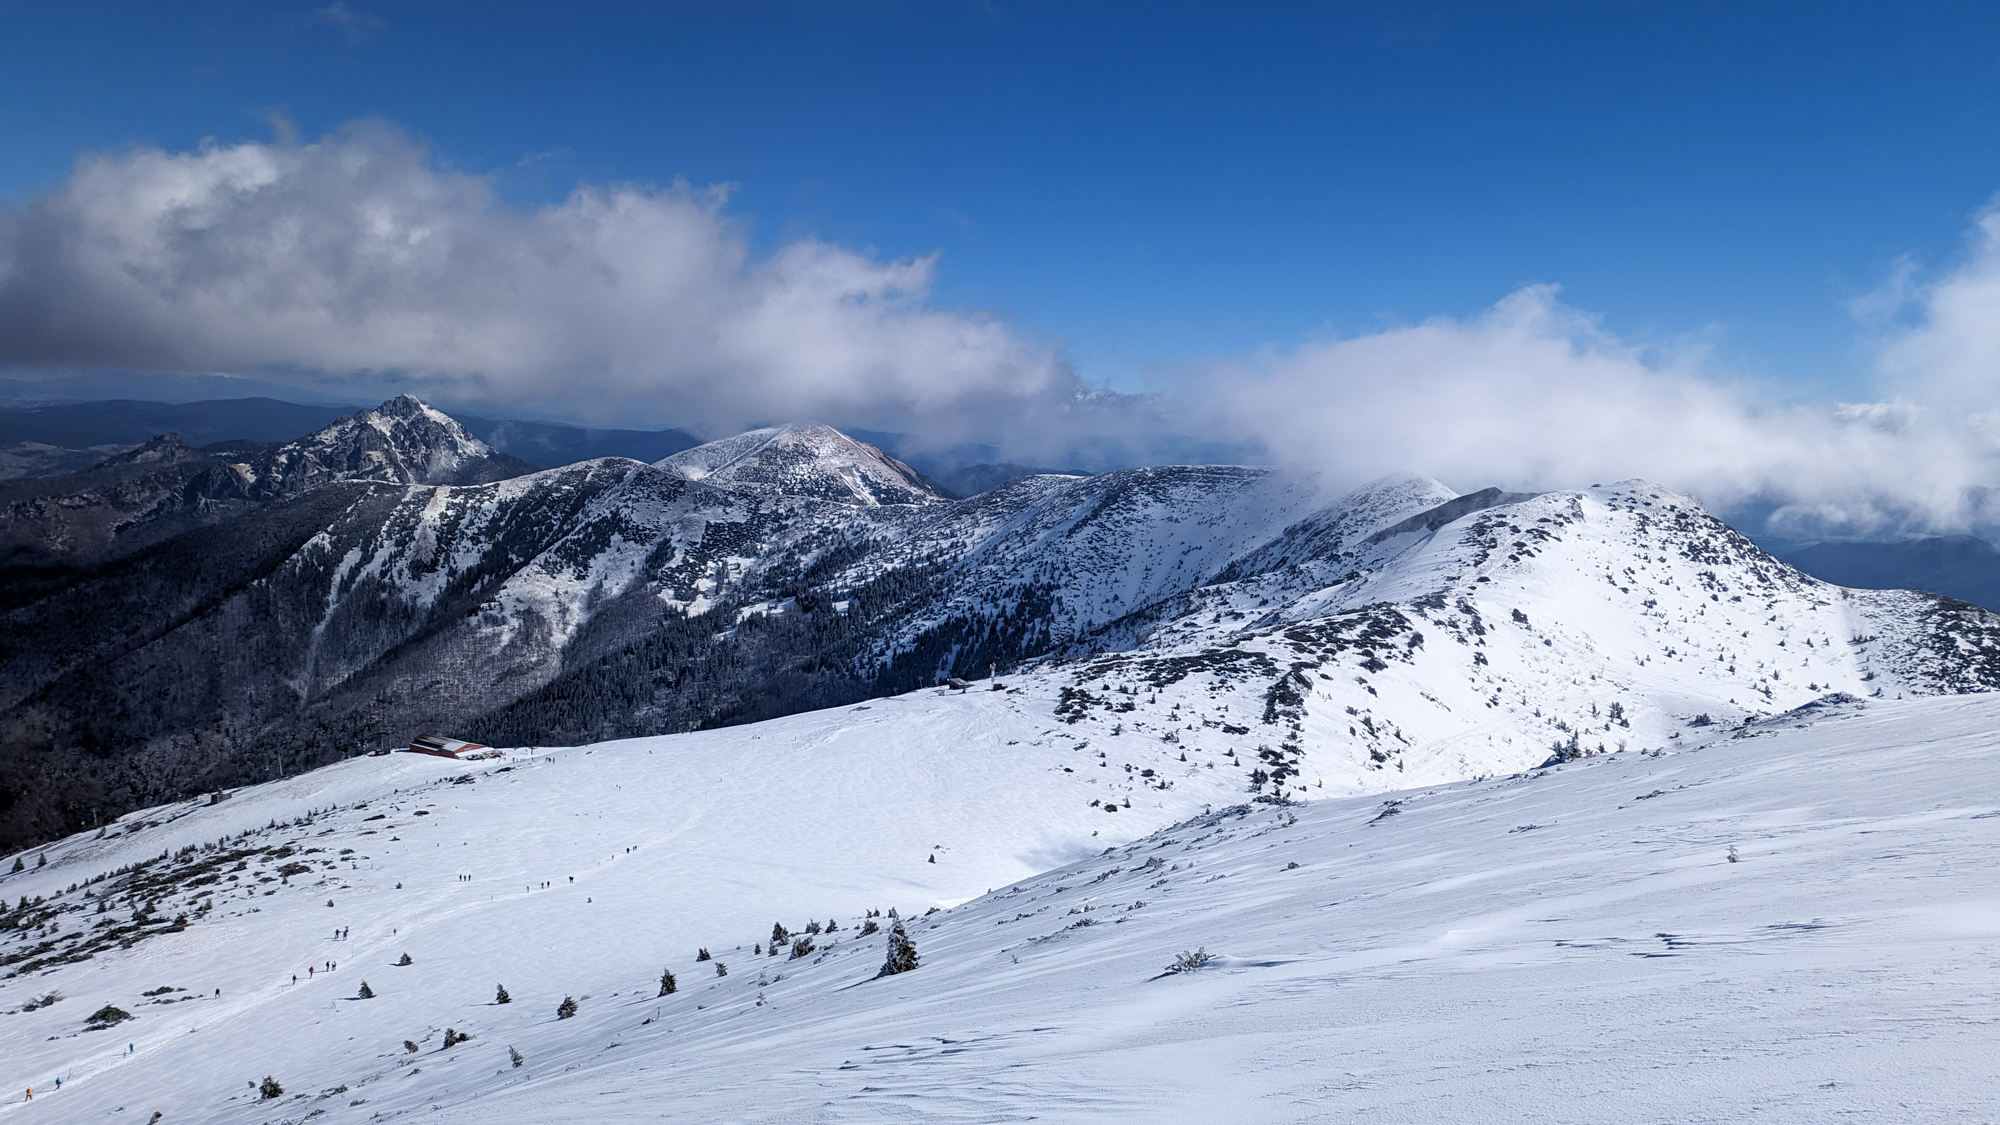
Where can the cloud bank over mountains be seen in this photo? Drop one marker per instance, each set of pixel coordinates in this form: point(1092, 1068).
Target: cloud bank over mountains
point(358, 255)
point(1532, 393)
point(358, 258)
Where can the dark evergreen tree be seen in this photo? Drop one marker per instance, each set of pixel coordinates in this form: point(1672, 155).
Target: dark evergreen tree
point(902, 952)
point(405, 961)
point(701, 954)
point(366, 992)
point(500, 995)
point(566, 1009)
point(667, 982)
point(270, 1089)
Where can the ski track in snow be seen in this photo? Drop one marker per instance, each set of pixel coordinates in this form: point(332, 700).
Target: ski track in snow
point(1570, 944)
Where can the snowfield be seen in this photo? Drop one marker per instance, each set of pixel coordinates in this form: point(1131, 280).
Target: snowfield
point(1566, 944)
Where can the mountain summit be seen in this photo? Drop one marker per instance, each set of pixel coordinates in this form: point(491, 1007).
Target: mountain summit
point(804, 459)
point(403, 441)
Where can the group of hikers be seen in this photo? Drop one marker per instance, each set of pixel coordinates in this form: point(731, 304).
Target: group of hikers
point(327, 966)
point(129, 1049)
point(31, 1089)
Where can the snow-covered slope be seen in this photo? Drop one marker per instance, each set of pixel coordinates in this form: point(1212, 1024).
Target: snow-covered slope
point(1573, 944)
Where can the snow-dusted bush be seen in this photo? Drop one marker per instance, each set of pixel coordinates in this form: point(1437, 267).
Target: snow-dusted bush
point(1190, 960)
point(270, 1089)
point(802, 947)
point(516, 1056)
point(500, 995)
point(566, 1009)
point(667, 985)
point(366, 992)
point(405, 960)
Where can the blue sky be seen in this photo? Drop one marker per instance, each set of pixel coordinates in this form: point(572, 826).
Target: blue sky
point(1154, 184)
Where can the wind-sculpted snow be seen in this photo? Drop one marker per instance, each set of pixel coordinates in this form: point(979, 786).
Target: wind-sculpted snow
point(1785, 920)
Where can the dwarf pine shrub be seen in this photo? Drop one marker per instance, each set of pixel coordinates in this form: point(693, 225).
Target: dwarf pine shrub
point(366, 992)
point(406, 960)
point(566, 1009)
point(106, 1016)
point(270, 1089)
point(500, 995)
point(667, 985)
point(902, 952)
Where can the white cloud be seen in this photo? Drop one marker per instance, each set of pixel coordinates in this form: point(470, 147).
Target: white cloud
point(356, 255)
point(1532, 394)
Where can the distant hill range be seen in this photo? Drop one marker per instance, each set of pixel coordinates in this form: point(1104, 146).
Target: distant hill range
point(52, 440)
point(1963, 566)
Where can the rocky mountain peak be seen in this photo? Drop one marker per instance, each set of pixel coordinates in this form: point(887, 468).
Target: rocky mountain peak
point(403, 441)
point(160, 449)
point(806, 460)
